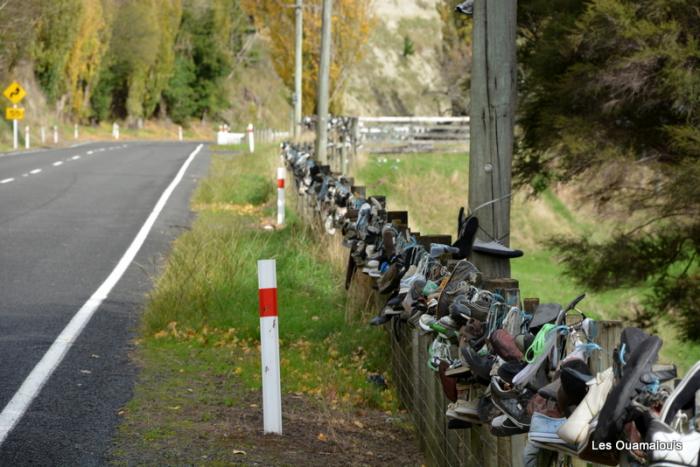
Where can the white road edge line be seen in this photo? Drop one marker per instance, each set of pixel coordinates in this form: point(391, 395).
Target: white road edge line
point(7, 180)
point(35, 171)
point(32, 385)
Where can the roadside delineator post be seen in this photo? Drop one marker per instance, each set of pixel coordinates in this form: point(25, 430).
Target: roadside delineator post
point(15, 131)
point(179, 133)
point(269, 346)
point(43, 135)
point(115, 130)
point(55, 134)
point(26, 137)
point(281, 176)
point(75, 132)
point(251, 138)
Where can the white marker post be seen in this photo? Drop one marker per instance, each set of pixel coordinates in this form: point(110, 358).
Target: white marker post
point(75, 132)
point(15, 131)
point(269, 346)
point(251, 138)
point(26, 137)
point(55, 134)
point(281, 176)
point(115, 130)
point(179, 133)
point(43, 135)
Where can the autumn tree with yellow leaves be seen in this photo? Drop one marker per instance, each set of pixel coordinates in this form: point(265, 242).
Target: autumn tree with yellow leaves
point(352, 25)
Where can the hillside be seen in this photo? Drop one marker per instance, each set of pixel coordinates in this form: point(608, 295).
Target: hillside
point(195, 64)
point(389, 82)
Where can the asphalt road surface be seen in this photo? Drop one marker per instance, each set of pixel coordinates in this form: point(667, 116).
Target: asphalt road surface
point(67, 217)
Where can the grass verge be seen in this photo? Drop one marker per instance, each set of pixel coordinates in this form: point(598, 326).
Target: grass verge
point(199, 345)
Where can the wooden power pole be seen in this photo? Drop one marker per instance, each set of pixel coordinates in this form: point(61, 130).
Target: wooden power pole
point(493, 102)
point(323, 88)
point(299, 36)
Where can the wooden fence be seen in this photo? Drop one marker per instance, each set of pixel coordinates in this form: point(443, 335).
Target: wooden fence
point(348, 135)
point(419, 389)
point(412, 134)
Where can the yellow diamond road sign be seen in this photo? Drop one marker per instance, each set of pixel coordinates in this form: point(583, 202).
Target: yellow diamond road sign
point(15, 92)
point(14, 113)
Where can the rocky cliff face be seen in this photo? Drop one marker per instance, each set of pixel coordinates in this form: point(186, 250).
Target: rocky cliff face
point(399, 74)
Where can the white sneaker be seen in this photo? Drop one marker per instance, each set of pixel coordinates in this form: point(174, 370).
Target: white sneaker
point(672, 448)
point(578, 426)
point(467, 408)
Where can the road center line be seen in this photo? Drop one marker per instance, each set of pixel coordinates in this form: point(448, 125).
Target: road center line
point(35, 171)
point(57, 163)
point(7, 180)
point(75, 158)
point(20, 402)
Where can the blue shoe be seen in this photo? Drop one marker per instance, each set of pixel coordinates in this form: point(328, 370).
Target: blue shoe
point(544, 429)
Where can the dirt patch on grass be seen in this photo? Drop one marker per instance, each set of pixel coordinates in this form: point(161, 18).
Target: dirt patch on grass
point(314, 435)
point(195, 416)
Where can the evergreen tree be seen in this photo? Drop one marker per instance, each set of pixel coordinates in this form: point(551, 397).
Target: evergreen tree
point(611, 99)
point(210, 37)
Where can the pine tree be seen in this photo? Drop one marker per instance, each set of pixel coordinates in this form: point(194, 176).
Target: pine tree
point(611, 99)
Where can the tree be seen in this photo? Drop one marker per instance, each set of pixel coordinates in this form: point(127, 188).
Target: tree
point(455, 55)
point(611, 99)
point(19, 21)
point(85, 57)
point(352, 26)
point(55, 34)
point(209, 40)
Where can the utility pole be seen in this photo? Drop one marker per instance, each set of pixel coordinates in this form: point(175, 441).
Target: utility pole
point(493, 102)
point(297, 66)
point(323, 77)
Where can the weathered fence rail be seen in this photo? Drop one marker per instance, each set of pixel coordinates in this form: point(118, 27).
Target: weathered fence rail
point(393, 134)
point(402, 134)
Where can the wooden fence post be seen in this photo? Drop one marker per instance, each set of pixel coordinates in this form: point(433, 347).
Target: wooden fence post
point(493, 98)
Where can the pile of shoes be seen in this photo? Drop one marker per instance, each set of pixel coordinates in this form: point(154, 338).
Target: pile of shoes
point(502, 368)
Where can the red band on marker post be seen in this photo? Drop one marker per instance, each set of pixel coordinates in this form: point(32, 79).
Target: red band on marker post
point(280, 183)
point(267, 299)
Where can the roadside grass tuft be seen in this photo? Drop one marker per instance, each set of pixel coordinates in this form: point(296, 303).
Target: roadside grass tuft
point(207, 296)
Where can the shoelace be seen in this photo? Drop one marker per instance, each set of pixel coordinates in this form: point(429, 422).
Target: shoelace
point(588, 347)
point(538, 344)
point(495, 318)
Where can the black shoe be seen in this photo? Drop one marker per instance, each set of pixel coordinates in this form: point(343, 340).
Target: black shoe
point(466, 233)
point(480, 366)
point(455, 424)
point(615, 411)
point(504, 426)
point(630, 339)
point(515, 408)
point(497, 249)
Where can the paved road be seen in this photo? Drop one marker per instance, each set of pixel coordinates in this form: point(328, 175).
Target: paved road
point(66, 218)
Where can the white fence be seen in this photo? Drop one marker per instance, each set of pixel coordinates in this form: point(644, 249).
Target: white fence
point(406, 134)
